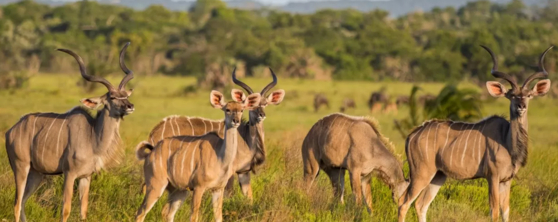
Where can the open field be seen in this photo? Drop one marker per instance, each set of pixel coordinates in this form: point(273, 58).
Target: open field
point(278, 194)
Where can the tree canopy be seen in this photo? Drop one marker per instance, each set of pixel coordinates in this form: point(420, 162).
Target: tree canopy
point(439, 45)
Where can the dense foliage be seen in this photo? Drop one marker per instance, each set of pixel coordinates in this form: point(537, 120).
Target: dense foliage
point(439, 45)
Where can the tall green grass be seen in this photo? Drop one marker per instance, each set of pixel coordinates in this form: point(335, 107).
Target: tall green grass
point(279, 193)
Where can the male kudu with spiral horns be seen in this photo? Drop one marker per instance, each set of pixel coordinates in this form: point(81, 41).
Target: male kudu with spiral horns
point(73, 143)
point(493, 148)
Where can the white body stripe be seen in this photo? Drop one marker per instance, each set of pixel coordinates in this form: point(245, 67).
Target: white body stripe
point(466, 142)
point(177, 126)
point(58, 140)
point(33, 134)
point(172, 126)
point(204, 127)
point(480, 141)
point(164, 126)
point(46, 137)
point(447, 138)
point(185, 152)
point(193, 154)
point(456, 144)
point(426, 146)
point(191, 126)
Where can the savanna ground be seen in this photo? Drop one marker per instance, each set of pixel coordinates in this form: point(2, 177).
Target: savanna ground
point(278, 188)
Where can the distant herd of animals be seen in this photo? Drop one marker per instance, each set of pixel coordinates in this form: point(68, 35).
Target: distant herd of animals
point(185, 154)
point(379, 101)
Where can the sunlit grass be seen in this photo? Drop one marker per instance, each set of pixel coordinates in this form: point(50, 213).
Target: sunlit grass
point(278, 188)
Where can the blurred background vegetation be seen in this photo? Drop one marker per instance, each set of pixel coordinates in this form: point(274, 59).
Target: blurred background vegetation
point(209, 39)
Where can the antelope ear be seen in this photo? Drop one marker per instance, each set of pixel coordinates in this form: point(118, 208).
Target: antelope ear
point(238, 95)
point(217, 99)
point(496, 89)
point(276, 97)
point(252, 101)
point(92, 103)
point(542, 87)
point(129, 92)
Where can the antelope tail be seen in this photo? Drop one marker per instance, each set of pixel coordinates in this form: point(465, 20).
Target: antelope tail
point(143, 149)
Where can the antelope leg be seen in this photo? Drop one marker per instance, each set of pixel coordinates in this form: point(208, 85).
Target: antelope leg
point(196, 202)
point(494, 196)
point(367, 193)
point(175, 200)
point(21, 171)
point(337, 178)
point(69, 180)
point(152, 194)
point(34, 179)
point(427, 195)
point(244, 181)
point(417, 184)
point(217, 201)
point(505, 200)
point(84, 195)
point(355, 185)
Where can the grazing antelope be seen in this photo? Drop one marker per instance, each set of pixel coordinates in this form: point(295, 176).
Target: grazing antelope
point(73, 143)
point(319, 100)
point(251, 149)
point(347, 103)
point(197, 163)
point(340, 142)
point(493, 148)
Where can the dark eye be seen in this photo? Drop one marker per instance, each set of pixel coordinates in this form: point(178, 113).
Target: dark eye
point(228, 110)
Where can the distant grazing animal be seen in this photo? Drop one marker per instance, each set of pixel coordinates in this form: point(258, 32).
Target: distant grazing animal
point(198, 163)
point(73, 143)
point(347, 103)
point(390, 107)
point(377, 99)
point(402, 100)
point(319, 100)
point(251, 147)
point(340, 142)
point(493, 148)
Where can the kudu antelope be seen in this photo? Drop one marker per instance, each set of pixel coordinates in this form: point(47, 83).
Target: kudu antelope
point(251, 148)
point(72, 143)
point(197, 163)
point(319, 100)
point(493, 148)
point(340, 142)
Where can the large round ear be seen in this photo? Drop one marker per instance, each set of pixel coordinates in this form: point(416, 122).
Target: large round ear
point(92, 103)
point(496, 89)
point(276, 97)
point(238, 95)
point(252, 101)
point(217, 99)
point(542, 87)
